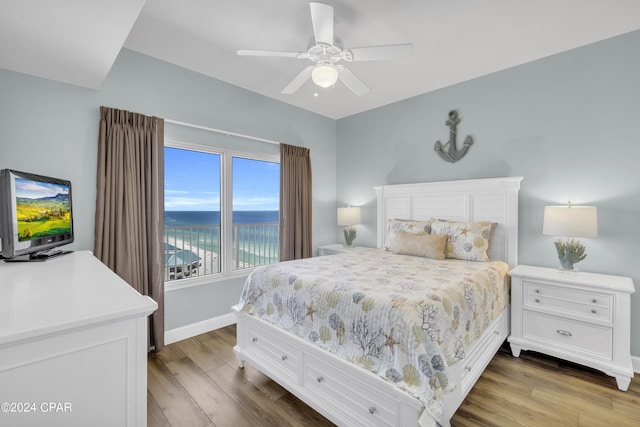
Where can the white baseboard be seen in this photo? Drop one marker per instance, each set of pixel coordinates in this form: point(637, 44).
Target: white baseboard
point(188, 331)
point(635, 361)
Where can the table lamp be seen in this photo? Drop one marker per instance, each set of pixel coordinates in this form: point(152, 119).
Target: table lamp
point(570, 221)
point(349, 217)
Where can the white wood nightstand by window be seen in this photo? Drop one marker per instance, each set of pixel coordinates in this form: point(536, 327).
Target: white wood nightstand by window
point(337, 248)
point(576, 316)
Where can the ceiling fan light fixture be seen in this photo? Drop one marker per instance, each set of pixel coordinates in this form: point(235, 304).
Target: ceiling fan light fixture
point(324, 75)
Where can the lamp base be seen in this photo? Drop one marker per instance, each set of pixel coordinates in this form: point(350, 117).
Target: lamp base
point(349, 235)
point(574, 269)
point(570, 253)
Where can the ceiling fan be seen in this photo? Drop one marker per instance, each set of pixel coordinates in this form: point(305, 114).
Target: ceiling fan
point(328, 51)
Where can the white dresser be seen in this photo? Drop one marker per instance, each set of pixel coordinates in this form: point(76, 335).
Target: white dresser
point(73, 345)
point(580, 317)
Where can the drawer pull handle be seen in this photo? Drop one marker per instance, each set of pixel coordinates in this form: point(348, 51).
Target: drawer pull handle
point(496, 333)
point(537, 291)
point(320, 379)
point(284, 357)
point(467, 368)
point(594, 300)
point(536, 300)
point(254, 339)
point(564, 333)
point(372, 410)
point(594, 311)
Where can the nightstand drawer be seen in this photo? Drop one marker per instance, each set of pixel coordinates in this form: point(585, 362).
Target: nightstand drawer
point(593, 340)
point(565, 300)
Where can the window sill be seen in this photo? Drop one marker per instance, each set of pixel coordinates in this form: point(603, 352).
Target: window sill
point(203, 280)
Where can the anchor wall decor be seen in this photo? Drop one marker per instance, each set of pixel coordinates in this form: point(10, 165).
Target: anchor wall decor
point(453, 154)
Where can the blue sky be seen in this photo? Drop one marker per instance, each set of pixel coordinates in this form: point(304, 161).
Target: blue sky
point(35, 189)
point(192, 182)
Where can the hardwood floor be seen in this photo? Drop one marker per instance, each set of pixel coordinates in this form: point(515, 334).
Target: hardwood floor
point(197, 382)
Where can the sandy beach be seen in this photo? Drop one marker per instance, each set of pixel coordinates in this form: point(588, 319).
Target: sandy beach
point(208, 259)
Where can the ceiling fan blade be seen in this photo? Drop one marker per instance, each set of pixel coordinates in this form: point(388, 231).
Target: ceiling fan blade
point(268, 53)
point(298, 81)
point(352, 82)
point(322, 18)
point(375, 53)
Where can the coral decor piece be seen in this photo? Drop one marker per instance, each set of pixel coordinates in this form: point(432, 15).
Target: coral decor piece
point(349, 235)
point(570, 252)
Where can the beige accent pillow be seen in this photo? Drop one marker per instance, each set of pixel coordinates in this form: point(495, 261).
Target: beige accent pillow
point(468, 241)
point(406, 225)
point(419, 244)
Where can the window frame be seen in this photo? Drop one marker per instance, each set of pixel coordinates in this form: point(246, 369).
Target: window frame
point(226, 210)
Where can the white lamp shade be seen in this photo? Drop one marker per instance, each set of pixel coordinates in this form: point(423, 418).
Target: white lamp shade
point(349, 216)
point(324, 75)
point(570, 221)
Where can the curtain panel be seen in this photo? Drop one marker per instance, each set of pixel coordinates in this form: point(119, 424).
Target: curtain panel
point(129, 220)
point(295, 203)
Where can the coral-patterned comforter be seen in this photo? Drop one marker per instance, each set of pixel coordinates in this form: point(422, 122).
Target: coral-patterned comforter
point(404, 318)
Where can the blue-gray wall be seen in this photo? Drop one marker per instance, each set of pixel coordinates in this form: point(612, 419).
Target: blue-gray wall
point(52, 129)
point(569, 124)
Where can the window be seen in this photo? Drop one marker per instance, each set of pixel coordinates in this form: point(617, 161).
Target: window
point(256, 204)
point(221, 211)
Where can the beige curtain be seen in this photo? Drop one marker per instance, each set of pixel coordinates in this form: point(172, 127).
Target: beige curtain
point(295, 202)
point(130, 205)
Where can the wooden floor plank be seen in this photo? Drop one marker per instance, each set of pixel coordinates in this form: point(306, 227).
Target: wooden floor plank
point(155, 416)
point(175, 402)
point(522, 409)
point(263, 382)
point(474, 414)
point(532, 390)
point(628, 403)
point(599, 419)
point(199, 353)
point(214, 401)
point(221, 348)
point(169, 353)
point(272, 412)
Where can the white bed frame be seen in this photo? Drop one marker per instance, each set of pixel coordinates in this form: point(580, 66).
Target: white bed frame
point(349, 395)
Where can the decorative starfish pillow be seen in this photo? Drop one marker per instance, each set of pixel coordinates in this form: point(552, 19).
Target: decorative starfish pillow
point(468, 241)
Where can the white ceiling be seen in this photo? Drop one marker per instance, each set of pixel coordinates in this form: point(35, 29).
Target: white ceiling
point(77, 41)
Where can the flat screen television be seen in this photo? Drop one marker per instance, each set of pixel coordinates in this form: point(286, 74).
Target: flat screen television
point(35, 215)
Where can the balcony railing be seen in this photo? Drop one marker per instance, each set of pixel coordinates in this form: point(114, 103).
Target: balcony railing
point(191, 251)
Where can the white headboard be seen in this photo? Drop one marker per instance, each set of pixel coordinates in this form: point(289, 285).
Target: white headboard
point(492, 199)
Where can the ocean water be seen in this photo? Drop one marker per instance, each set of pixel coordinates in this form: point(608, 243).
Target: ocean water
point(254, 244)
point(180, 218)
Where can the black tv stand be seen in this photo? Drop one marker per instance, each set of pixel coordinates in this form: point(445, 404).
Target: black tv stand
point(39, 256)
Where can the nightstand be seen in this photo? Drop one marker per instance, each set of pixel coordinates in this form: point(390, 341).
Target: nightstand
point(337, 248)
point(580, 317)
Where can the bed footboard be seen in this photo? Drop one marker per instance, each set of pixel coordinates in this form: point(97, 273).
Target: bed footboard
point(345, 393)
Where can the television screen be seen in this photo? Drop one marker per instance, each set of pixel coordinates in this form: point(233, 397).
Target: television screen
point(36, 215)
point(42, 209)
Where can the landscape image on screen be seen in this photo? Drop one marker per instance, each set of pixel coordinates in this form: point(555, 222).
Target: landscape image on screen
point(43, 209)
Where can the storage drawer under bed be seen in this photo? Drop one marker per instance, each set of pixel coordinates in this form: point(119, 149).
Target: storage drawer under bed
point(333, 384)
point(270, 349)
